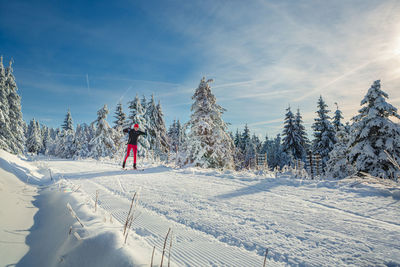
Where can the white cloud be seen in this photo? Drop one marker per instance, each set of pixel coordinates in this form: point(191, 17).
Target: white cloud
point(256, 49)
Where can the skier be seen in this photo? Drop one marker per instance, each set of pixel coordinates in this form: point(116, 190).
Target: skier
point(132, 142)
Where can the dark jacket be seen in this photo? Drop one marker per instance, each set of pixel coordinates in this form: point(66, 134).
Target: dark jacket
point(133, 135)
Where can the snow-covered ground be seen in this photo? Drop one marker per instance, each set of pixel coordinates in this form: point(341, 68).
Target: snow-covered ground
point(16, 217)
point(217, 218)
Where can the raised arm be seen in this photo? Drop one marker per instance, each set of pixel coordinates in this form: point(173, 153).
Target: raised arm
point(126, 130)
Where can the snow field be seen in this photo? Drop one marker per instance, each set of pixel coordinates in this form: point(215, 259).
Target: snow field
point(49, 234)
point(217, 218)
point(310, 223)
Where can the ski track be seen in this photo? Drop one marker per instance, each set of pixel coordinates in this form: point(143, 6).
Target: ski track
point(184, 252)
point(203, 243)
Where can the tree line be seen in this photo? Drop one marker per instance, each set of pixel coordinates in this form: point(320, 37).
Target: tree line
point(368, 143)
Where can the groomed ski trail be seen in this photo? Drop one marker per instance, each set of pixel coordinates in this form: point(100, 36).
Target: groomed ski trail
point(229, 219)
point(153, 228)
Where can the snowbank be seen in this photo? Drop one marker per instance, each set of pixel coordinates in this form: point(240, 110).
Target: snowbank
point(21, 167)
point(16, 217)
point(58, 239)
point(38, 229)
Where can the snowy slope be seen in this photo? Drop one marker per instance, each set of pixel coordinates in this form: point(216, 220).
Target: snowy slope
point(229, 219)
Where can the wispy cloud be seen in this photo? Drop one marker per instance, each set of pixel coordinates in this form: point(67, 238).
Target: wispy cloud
point(336, 49)
point(263, 55)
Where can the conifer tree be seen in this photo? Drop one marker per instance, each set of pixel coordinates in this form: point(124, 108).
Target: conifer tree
point(276, 157)
point(137, 115)
point(247, 149)
point(208, 143)
point(162, 137)
point(68, 123)
point(16, 123)
point(338, 165)
point(5, 132)
point(373, 133)
point(175, 136)
point(245, 138)
point(172, 136)
point(237, 139)
point(33, 142)
point(302, 142)
point(144, 103)
point(83, 137)
point(337, 119)
point(292, 142)
point(47, 140)
point(150, 117)
point(120, 117)
point(281, 157)
point(324, 133)
point(102, 144)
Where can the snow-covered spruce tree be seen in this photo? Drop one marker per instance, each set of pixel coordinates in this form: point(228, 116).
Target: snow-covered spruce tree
point(119, 124)
point(48, 141)
point(237, 141)
point(373, 133)
point(150, 117)
point(277, 156)
point(5, 132)
point(173, 133)
point(300, 130)
point(83, 136)
point(175, 136)
point(162, 137)
point(247, 148)
point(238, 156)
point(51, 144)
point(40, 135)
point(182, 136)
point(252, 147)
point(144, 103)
point(120, 118)
point(102, 144)
point(16, 140)
point(337, 119)
point(33, 141)
point(244, 138)
point(137, 115)
point(257, 143)
point(43, 133)
point(156, 130)
point(338, 165)
point(66, 146)
point(208, 144)
point(292, 141)
point(68, 123)
point(324, 133)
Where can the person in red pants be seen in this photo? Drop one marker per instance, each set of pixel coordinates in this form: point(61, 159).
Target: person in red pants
point(132, 143)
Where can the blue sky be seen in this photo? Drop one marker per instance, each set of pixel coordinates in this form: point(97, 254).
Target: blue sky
point(262, 55)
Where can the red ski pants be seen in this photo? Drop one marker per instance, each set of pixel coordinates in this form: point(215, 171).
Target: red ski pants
point(134, 148)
